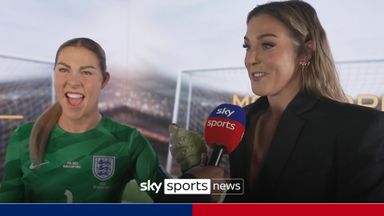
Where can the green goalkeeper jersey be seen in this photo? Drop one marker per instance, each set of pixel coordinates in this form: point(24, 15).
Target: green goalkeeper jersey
point(93, 166)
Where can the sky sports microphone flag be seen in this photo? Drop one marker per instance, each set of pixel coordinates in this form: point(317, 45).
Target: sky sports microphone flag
point(224, 130)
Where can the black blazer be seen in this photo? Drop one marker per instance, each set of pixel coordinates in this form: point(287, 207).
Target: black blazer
point(322, 151)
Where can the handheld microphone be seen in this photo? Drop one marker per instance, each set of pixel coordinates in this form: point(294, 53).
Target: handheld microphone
point(224, 130)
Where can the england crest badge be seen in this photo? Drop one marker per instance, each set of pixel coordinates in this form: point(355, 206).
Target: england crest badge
point(103, 167)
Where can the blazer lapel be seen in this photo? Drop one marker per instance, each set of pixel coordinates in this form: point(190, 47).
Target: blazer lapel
point(284, 141)
point(239, 157)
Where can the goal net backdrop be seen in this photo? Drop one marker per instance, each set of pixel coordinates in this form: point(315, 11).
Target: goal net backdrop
point(201, 91)
point(25, 92)
point(198, 92)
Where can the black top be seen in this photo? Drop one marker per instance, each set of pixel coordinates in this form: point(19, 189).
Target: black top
point(322, 151)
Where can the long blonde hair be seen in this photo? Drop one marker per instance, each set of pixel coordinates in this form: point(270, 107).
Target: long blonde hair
point(318, 75)
point(44, 124)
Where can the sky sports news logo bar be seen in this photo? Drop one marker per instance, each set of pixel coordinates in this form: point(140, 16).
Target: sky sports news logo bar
point(229, 186)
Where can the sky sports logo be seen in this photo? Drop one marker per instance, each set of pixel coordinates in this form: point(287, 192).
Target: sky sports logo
point(229, 186)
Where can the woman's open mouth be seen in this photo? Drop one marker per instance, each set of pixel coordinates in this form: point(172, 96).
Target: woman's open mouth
point(74, 99)
point(256, 76)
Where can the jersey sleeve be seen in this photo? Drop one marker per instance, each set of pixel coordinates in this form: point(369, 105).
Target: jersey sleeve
point(147, 166)
point(12, 189)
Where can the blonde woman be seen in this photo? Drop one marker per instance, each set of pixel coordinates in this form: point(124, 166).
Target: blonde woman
point(303, 143)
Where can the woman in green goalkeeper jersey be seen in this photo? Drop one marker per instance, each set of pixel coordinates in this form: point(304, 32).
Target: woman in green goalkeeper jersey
point(72, 153)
